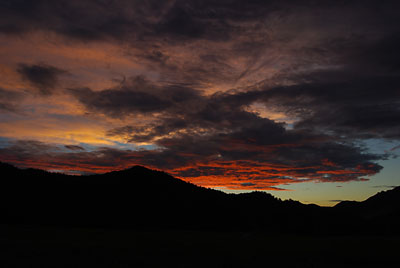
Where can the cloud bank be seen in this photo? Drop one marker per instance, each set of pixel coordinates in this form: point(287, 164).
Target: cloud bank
point(234, 94)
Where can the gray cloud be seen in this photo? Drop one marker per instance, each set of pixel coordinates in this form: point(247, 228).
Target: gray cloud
point(197, 128)
point(135, 95)
point(190, 157)
point(9, 100)
point(334, 71)
point(357, 106)
point(42, 76)
point(74, 147)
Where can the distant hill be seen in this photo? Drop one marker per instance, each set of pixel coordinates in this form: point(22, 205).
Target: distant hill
point(382, 201)
point(380, 212)
point(142, 198)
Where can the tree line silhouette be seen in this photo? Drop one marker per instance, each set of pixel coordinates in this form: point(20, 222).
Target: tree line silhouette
point(146, 199)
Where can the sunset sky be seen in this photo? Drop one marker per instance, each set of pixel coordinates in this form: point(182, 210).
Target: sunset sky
point(297, 98)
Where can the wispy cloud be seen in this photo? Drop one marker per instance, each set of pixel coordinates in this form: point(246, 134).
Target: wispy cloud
point(182, 78)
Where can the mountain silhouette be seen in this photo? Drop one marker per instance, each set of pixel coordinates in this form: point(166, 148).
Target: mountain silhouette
point(142, 198)
point(379, 212)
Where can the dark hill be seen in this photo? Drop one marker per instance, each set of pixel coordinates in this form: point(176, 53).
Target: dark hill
point(382, 201)
point(380, 212)
point(136, 197)
point(143, 198)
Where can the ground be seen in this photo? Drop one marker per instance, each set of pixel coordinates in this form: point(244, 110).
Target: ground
point(32, 246)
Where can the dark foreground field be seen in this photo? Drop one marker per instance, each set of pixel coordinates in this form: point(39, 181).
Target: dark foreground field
point(30, 246)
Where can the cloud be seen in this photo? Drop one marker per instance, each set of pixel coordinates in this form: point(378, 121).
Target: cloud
point(264, 154)
point(258, 161)
point(248, 184)
point(358, 106)
point(127, 20)
point(92, 20)
point(337, 200)
point(74, 147)
point(394, 148)
point(385, 186)
point(9, 100)
point(137, 95)
point(29, 148)
point(357, 96)
point(43, 77)
point(330, 68)
point(202, 136)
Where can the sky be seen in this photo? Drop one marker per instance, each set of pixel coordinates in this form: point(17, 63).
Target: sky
point(297, 98)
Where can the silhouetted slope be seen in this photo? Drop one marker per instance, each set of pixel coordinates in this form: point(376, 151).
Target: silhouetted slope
point(382, 200)
point(143, 198)
point(380, 212)
point(385, 198)
point(136, 197)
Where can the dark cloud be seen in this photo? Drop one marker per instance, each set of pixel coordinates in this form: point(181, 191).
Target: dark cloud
point(248, 184)
point(266, 160)
point(215, 159)
point(338, 200)
point(127, 20)
point(29, 153)
point(356, 96)
point(42, 76)
point(194, 131)
point(247, 30)
point(179, 22)
point(334, 72)
point(358, 106)
point(21, 150)
point(394, 148)
point(178, 108)
point(9, 100)
point(74, 147)
point(90, 20)
point(133, 96)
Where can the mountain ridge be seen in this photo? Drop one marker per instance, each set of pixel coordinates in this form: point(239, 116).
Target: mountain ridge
point(142, 198)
